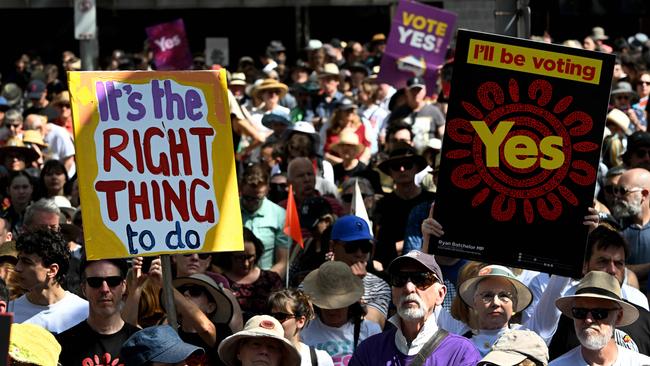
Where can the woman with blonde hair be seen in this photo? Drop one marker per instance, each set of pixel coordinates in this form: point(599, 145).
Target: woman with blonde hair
point(293, 309)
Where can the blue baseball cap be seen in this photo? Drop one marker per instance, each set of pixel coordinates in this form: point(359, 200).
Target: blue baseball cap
point(350, 228)
point(4, 104)
point(156, 344)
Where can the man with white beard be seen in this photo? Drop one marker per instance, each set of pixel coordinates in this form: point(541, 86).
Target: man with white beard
point(632, 208)
point(417, 289)
point(596, 309)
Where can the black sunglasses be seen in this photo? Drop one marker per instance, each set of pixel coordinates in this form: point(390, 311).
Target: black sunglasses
point(203, 256)
point(596, 313)
point(282, 317)
point(354, 246)
point(194, 291)
point(421, 280)
point(97, 282)
point(396, 166)
point(347, 198)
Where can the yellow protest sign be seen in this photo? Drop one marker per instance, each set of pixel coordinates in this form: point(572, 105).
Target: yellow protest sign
point(155, 163)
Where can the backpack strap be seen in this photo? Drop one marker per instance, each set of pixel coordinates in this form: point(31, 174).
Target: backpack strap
point(357, 330)
point(429, 347)
point(312, 354)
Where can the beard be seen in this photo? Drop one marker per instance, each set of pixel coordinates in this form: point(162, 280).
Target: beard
point(590, 338)
point(623, 210)
point(409, 313)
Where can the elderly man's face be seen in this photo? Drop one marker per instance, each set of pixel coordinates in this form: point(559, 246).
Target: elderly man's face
point(414, 300)
point(303, 179)
point(628, 197)
point(592, 333)
point(493, 302)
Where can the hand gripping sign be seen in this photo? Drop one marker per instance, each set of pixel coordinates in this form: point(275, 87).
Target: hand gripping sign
point(155, 163)
point(520, 152)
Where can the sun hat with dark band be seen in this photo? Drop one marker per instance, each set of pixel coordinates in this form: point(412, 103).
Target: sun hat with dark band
point(333, 286)
point(260, 326)
point(224, 306)
point(468, 288)
point(599, 285)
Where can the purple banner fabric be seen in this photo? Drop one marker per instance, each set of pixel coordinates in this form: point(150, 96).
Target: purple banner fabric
point(417, 44)
point(171, 49)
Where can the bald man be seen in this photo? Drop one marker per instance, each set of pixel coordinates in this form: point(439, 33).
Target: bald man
point(301, 175)
point(631, 207)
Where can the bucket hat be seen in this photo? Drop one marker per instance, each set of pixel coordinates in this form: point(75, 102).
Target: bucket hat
point(333, 286)
point(156, 344)
point(468, 288)
point(514, 346)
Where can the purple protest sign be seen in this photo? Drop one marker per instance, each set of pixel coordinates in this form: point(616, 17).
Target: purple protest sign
point(417, 44)
point(171, 49)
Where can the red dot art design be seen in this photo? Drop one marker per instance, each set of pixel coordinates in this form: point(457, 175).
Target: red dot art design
point(535, 192)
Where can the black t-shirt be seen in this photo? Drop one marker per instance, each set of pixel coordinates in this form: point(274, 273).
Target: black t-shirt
point(565, 338)
point(391, 215)
point(48, 111)
point(81, 345)
point(341, 175)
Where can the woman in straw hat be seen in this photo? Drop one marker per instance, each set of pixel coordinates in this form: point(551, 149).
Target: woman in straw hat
point(293, 309)
point(270, 92)
point(345, 118)
point(348, 148)
point(261, 342)
point(339, 325)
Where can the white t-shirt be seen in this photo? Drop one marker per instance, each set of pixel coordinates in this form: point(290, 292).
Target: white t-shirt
point(58, 317)
point(625, 358)
point(337, 342)
point(322, 358)
point(60, 145)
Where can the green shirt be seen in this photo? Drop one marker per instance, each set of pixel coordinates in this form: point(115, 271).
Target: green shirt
point(267, 224)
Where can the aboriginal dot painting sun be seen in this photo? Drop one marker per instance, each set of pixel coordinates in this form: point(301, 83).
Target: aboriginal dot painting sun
point(530, 175)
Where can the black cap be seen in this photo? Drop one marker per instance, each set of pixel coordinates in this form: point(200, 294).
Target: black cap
point(415, 82)
point(635, 141)
point(346, 104)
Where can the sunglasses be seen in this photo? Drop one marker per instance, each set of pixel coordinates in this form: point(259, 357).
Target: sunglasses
point(488, 296)
point(354, 246)
point(644, 82)
point(596, 313)
point(347, 198)
point(203, 256)
point(623, 191)
point(641, 153)
point(396, 166)
point(97, 282)
point(282, 317)
point(421, 280)
point(193, 290)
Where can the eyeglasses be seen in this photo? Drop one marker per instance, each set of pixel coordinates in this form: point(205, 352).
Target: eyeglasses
point(596, 313)
point(644, 82)
point(244, 257)
point(396, 166)
point(354, 246)
point(488, 296)
point(347, 198)
point(203, 256)
point(193, 290)
point(97, 282)
point(421, 280)
point(623, 191)
point(641, 153)
point(282, 317)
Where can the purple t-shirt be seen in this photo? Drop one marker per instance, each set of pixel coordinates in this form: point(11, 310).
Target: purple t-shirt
point(380, 349)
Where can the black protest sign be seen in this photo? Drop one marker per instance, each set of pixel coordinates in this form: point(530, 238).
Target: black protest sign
point(520, 152)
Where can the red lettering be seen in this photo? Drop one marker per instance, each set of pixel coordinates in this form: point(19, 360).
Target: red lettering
point(137, 144)
point(114, 152)
point(178, 201)
point(202, 133)
point(163, 167)
point(111, 187)
point(142, 199)
point(208, 213)
point(157, 210)
point(179, 148)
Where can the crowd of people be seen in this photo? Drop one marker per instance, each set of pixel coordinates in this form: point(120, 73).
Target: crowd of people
point(363, 289)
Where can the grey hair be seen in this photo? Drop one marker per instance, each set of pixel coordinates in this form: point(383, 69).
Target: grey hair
point(43, 205)
point(12, 115)
point(364, 185)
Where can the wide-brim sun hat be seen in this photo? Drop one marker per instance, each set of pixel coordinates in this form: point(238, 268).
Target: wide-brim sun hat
point(260, 326)
point(333, 286)
point(348, 138)
point(224, 311)
point(620, 119)
point(271, 84)
point(16, 145)
point(401, 154)
point(33, 344)
point(514, 346)
point(468, 288)
point(599, 285)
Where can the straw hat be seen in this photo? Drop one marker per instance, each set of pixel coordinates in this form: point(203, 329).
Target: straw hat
point(224, 306)
point(33, 344)
point(15, 144)
point(270, 84)
point(238, 78)
point(260, 326)
point(333, 286)
point(61, 98)
point(620, 119)
point(599, 285)
point(348, 138)
point(400, 154)
point(329, 70)
point(468, 288)
point(8, 251)
point(34, 137)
